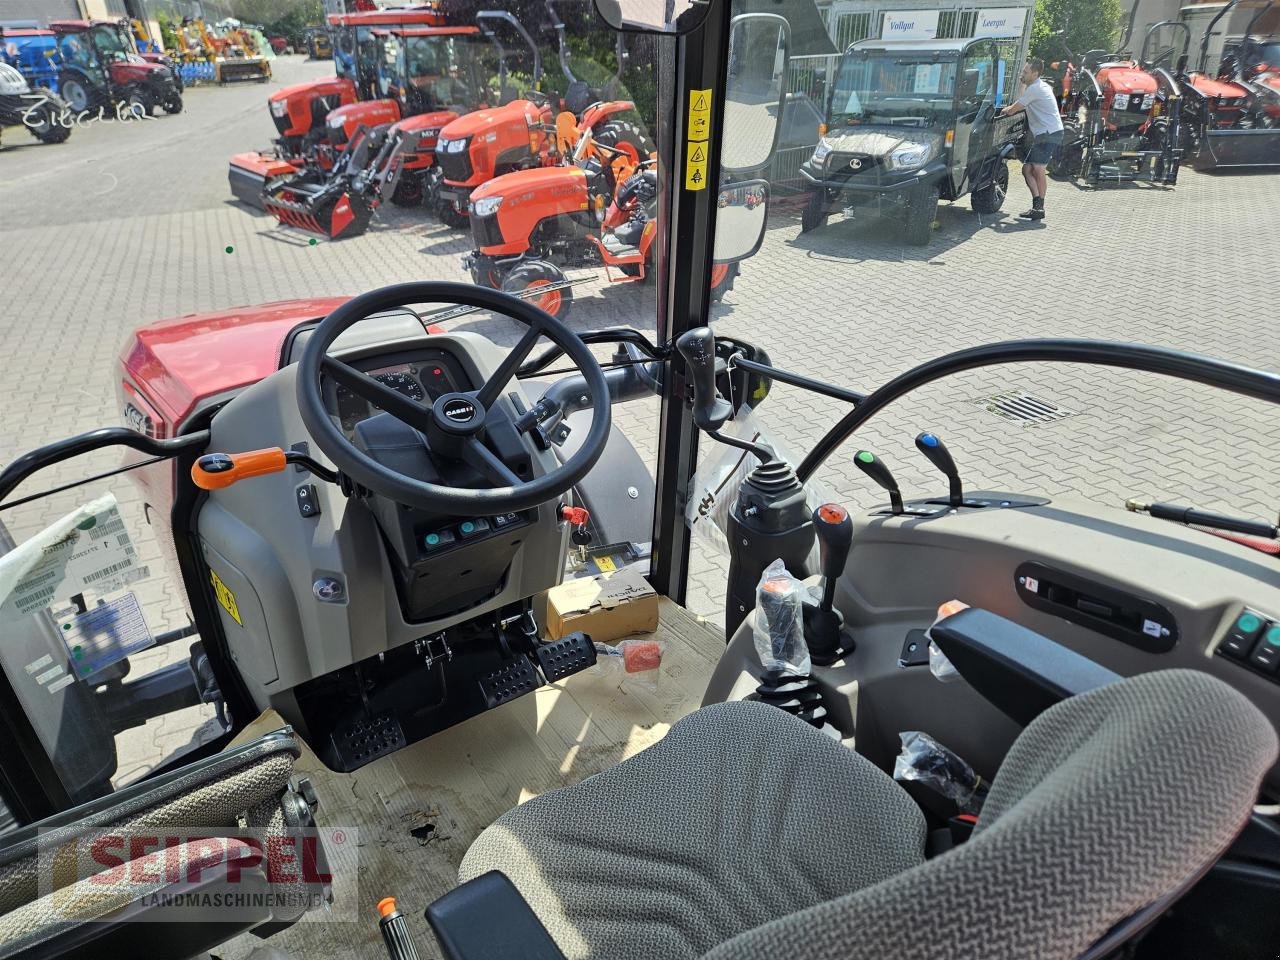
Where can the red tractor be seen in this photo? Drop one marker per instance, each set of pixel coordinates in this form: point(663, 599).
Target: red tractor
point(300, 111)
point(519, 135)
point(1255, 62)
point(1120, 117)
point(100, 69)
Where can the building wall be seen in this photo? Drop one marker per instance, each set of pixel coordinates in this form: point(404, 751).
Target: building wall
point(39, 12)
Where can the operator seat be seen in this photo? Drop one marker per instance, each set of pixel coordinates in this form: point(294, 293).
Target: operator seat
point(577, 97)
point(746, 834)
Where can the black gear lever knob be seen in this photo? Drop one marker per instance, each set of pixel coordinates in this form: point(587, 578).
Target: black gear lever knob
point(834, 530)
point(936, 452)
point(874, 468)
point(698, 347)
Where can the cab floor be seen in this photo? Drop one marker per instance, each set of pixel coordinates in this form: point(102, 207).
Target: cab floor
point(407, 819)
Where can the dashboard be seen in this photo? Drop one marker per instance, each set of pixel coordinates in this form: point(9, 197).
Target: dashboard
point(422, 375)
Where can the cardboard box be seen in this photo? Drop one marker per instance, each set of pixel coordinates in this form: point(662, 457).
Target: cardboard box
point(608, 606)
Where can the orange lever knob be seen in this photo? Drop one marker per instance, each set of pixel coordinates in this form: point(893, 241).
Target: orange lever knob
point(214, 471)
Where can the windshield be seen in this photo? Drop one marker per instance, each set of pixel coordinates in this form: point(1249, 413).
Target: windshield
point(1269, 53)
point(110, 44)
point(893, 88)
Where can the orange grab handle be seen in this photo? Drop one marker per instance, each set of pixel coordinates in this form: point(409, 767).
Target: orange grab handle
point(214, 471)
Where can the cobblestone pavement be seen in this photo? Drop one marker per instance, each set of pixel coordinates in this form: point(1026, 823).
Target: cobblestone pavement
point(127, 224)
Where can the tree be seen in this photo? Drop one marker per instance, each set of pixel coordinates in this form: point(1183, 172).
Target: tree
point(286, 18)
point(1087, 25)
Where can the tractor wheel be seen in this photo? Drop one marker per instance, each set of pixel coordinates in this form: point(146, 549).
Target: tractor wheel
point(451, 216)
point(626, 136)
point(50, 129)
point(78, 93)
point(140, 104)
point(990, 199)
point(1069, 164)
point(172, 103)
point(922, 208)
point(816, 211)
point(408, 191)
point(538, 273)
point(722, 277)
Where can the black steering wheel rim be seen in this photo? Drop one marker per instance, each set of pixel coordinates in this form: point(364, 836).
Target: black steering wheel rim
point(458, 501)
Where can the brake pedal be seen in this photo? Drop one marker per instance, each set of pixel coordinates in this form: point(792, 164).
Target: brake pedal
point(567, 656)
point(366, 739)
point(509, 681)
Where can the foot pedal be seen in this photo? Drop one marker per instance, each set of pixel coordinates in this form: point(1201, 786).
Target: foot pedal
point(364, 740)
point(509, 681)
point(793, 693)
point(562, 658)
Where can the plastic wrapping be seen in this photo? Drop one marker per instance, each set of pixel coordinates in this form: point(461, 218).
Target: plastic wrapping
point(939, 665)
point(926, 761)
point(634, 661)
point(721, 471)
point(778, 625)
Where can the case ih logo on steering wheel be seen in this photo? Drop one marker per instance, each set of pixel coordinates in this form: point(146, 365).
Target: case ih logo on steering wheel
point(459, 411)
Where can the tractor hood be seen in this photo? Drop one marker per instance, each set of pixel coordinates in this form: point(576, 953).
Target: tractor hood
point(137, 71)
point(313, 89)
point(874, 141)
point(546, 185)
point(180, 362)
point(514, 117)
point(1126, 78)
point(1207, 86)
point(371, 113)
point(426, 121)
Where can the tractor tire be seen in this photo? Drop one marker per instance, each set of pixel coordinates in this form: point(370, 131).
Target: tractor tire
point(78, 93)
point(1069, 164)
point(922, 209)
point(139, 104)
point(722, 277)
point(816, 211)
point(626, 136)
point(172, 104)
point(540, 273)
point(408, 191)
point(990, 199)
point(50, 129)
point(450, 216)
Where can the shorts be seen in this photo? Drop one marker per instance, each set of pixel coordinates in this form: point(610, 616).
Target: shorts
point(1044, 149)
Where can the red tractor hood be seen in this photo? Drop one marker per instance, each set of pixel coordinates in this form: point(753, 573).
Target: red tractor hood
point(370, 113)
point(1126, 78)
point(313, 88)
point(426, 121)
point(136, 71)
point(518, 114)
point(1207, 86)
point(543, 185)
point(179, 362)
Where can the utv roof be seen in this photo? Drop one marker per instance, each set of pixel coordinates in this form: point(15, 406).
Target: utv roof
point(915, 46)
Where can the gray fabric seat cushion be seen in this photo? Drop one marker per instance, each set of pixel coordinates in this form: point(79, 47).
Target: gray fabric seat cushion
point(740, 814)
point(1105, 803)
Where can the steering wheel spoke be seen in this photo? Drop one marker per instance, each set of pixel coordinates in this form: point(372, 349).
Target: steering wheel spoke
point(488, 394)
point(416, 414)
point(487, 462)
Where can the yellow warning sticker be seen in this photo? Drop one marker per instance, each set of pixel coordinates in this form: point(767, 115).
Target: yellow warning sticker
point(606, 564)
point(699, 115)
point(225, 597)
point(695, 167)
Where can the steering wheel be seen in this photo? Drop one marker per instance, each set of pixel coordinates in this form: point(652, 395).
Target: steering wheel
point(453, 426)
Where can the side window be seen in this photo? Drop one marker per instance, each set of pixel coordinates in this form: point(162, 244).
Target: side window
point(1006, 87)
point(977, 80)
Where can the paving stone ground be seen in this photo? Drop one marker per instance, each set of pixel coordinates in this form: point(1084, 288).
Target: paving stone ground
point(127, 224)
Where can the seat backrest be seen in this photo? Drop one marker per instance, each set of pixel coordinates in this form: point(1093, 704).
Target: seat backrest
point(1106, 802)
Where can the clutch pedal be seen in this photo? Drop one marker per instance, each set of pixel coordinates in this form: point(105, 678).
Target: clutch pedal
point(567, 656)
point(509, 681)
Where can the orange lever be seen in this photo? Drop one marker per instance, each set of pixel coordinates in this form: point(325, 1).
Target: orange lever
point(214, 471)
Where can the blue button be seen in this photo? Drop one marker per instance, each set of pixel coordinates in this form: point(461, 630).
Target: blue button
point(468, 527)
point(433, 539)
point(929, 440)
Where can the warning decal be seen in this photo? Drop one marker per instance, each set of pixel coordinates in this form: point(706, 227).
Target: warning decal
point(225, 597)
point(695, 168)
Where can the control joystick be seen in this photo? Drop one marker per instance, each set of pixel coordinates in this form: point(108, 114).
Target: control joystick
point(823, 624)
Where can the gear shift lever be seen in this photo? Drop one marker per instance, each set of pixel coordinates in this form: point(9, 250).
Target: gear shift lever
point(874, 468)
point(823, 623)
point(937, 453)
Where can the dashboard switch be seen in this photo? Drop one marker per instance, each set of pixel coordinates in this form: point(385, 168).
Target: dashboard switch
point(1266, 655)
point(470, 529)
point(1245, 630)
point(308, 502)
point(438, 540)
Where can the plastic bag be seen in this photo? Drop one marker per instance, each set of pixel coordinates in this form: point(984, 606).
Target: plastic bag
point(939, 665)
point(778, 624)
point(926, 761)
point(634, 661)
point(722, 471)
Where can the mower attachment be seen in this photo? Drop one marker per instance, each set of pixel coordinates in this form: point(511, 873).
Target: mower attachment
point(331, 210)
point(249, 174)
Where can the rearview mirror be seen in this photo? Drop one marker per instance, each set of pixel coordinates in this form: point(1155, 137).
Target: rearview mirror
point(653, 16)
point(757, 85)
point(740, 220)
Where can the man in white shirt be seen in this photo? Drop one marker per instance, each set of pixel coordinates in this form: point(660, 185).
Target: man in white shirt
point(1041, 107)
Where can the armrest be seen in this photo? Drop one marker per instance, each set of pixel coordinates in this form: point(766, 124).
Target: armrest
point(487, 919)
point(1021, 672)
